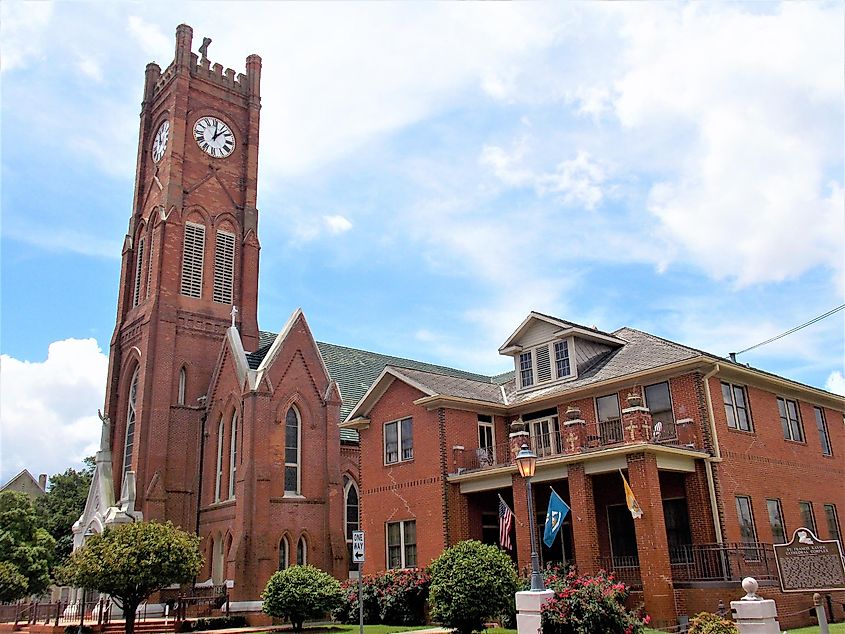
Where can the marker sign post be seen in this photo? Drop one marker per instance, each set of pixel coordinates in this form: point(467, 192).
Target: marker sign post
point(808, 564)
point(358, 558)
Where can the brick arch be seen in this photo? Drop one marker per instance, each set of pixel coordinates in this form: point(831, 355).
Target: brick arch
point(130, 364)
point(198, 214)
point(304, 537)
point(227, 222)
point(287, 539)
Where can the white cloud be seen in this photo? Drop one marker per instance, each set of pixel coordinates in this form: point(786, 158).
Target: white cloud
point(336, 224)
point(577, 181)
point(22, 28)
point(89, 67)
point(835, 383)
point(150, 37)
point(49, 408)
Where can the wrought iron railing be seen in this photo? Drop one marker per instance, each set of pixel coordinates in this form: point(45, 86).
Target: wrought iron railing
point(724, 562)
point(97, 611)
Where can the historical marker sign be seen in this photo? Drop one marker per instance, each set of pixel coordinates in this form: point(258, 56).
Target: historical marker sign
point(357, 547)
point(808, 564)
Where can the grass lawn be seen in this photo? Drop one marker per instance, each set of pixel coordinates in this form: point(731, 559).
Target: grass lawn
point(368, 629)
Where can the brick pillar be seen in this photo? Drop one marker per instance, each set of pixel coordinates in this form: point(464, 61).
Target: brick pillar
point(652, 544)
point(636, 424)
point(574, 435)
point(523, 536)
point(583, 511)
point(698, 506)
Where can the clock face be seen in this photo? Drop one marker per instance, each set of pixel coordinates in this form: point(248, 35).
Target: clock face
point(214, 137)
point(160, 141)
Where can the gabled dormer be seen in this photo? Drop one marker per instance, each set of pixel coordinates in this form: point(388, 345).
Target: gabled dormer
point(548, 350)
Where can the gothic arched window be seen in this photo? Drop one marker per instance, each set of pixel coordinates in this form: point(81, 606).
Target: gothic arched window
point(351, 517)
point(301, 551)
point(284, 553)
point(218, 477)
point(293, 430)
point(130, 422)
point(139, 266)
point(193, 249)
point(233, 455)
point(183, 380)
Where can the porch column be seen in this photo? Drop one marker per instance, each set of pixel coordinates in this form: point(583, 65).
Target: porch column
point(652, 544)
point(698, 506)
point(583, 510)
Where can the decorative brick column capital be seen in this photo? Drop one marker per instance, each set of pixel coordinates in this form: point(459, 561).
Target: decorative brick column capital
point(636, 424)
point(574, 435)
point(517, 439)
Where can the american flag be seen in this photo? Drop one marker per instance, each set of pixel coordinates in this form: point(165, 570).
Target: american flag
point(505, 523)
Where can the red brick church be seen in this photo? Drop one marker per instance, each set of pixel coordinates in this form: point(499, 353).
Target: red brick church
point(272, 446)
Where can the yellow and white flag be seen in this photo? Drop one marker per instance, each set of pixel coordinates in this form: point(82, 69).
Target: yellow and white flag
point(630, 500)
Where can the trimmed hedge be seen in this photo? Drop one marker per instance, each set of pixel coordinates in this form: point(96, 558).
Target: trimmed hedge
point(212, 623)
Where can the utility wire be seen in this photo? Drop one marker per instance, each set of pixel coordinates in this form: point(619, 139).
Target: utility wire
point(789, 332)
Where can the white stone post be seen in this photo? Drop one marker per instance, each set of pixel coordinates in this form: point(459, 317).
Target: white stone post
point(755, 615)
point(528, 605)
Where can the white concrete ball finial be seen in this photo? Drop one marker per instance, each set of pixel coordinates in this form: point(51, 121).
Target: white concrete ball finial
point(750, 585)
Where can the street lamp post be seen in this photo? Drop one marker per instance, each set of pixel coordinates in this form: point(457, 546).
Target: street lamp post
point(526, 460)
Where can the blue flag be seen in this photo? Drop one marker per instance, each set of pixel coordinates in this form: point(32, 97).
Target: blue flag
point(554, 518)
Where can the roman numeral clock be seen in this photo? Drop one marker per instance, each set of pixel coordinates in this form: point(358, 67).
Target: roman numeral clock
point(214, 137)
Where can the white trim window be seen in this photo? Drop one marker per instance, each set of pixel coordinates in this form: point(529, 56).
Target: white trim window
point(131, 414)
point(486, 440)
point(233, 455)
point(545, 363)
point(293, 441)
point(224, 267)
point(193, 249)
point(526, 369)
point(139, 266)
point(736, 407)
point(402, 544)
point(218, 474)
point(399, 441)
point(302, 551)
point(545, 435)
point(563, 368)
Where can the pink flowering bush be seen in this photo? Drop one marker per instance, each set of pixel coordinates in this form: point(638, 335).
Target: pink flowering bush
point(586, 605)
point(708, 623)
point(394, 597)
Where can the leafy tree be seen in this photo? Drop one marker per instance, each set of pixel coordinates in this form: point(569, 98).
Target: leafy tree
point(132, 561)
point(471, 583)
point(299, 593)
point(13, 584)
point(63, 504)
point(25, 549)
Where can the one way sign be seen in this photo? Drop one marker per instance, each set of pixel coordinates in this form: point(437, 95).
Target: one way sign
point(357, 547)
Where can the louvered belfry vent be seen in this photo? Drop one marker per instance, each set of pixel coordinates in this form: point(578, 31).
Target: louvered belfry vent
point(224, 267)
point(192, 254)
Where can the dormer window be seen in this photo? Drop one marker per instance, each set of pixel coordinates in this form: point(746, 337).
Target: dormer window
point(526, 369)
point(536, 365)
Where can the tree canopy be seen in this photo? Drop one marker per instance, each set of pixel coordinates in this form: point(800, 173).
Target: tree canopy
point(300, 593)
point(132, 561)
point(26, 551)
point(63, 504)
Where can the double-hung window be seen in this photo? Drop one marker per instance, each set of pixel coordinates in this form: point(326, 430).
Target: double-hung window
point(736, 407)
point(562, 366)
point(610, 423)
point(402, 544)
point(790, 420)
point(486, 440)
point(824, 438)
point(776, 521)
point(832, 521)
point(658, 399)
point(526, 369)
point(747, 530)
point(399, 441)
point(808, 518)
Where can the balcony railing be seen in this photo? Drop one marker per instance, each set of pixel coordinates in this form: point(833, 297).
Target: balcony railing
point(586, 438)
point(704, 562)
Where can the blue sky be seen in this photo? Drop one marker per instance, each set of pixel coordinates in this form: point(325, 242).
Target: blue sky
point(432, 172)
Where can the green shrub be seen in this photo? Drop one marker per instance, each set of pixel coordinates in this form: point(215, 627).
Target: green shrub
point(471, 583)
point(709, 623)
point(299, 593)
point(395, 597)
point(74, 629)
point(586, 605)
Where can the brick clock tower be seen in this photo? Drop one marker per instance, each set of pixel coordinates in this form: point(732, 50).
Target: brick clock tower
point(189, 269)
